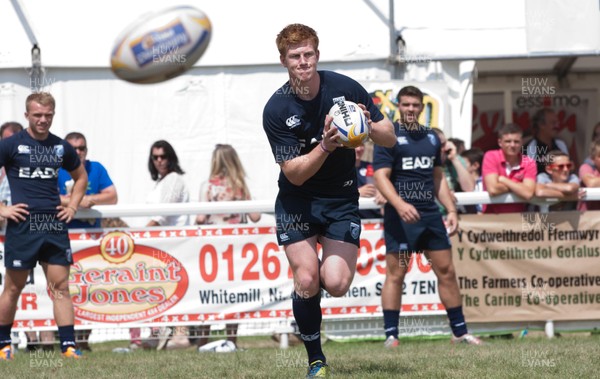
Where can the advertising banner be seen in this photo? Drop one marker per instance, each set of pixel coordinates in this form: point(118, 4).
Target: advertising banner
point(207, 274)
point(529, 266)
point(510, 268)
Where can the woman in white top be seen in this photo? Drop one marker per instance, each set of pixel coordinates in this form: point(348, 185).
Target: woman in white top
point(163, 165)
point(170, 187)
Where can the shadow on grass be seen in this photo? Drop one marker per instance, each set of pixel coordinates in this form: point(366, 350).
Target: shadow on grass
point(390, 370)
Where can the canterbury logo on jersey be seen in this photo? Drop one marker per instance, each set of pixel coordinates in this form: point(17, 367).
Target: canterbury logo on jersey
point(412, 163)
point(38, 172)
point(293, 121)
point(56, 150)
point(24, 149)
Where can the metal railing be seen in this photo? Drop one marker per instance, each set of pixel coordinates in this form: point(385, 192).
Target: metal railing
point(267, 206)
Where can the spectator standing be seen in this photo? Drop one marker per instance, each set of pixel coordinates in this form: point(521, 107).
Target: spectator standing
point(227, 182)
point(545, 129)
point(100, 191)
point(460, 145)
point(454, 166)
point(508, 170)
point(559, 182)
point(589, 175)
point(6, 130)
point(474, 159)
point(100, 188)
point(170, 187)
point(596, 132)
point(366, 184)
point(455, 170)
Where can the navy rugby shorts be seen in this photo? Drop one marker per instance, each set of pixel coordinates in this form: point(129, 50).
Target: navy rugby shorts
point(40, 238)
point(428, 234)
point(299, 218)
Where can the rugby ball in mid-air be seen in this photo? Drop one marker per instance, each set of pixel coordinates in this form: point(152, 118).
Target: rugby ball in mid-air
point(351, 123)
point(161, 45)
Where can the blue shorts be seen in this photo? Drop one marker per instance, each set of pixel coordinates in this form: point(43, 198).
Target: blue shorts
point(40, 238)
point(299, 218)
point(428, 234)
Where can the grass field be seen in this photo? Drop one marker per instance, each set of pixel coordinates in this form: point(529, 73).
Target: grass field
point(571, 356)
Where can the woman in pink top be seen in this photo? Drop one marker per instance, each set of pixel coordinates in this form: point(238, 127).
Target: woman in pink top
point(589, 174)
point(227, 182)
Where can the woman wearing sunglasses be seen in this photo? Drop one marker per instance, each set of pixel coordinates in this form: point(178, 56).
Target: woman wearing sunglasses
point(170, 187)
point(164, 168)
point(558, 181)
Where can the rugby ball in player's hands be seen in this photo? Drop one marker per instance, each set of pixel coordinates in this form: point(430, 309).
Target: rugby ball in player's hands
point(351, 123)
point(161, 45)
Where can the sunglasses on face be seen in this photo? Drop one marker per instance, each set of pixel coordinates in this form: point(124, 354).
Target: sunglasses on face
point(564, 166)
point(81, 148)
point(157, 157)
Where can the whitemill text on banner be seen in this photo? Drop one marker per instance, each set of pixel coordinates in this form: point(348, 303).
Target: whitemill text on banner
point(208, 274)
point(515, 267)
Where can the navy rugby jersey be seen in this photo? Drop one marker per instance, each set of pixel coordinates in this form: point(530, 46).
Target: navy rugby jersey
point(294, 127)
point(412, 160)
point(32, 168)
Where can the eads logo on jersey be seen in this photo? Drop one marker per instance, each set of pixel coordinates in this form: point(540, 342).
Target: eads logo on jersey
point(119, 281)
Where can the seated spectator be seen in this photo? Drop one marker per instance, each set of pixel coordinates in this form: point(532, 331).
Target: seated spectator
point(559, 182)
point(589, 174)
point(508, 170)
point(474, 159)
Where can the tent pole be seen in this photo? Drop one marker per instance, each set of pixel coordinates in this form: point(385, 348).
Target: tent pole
point(36, 73)
point(394, 40)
